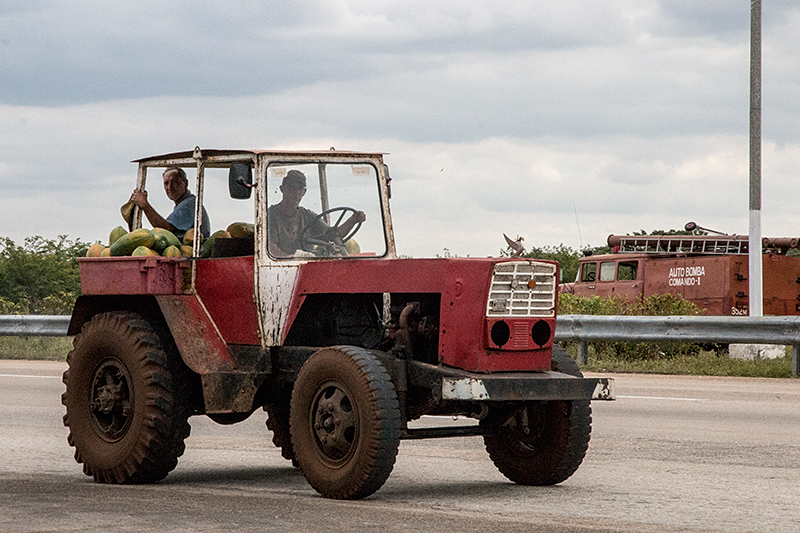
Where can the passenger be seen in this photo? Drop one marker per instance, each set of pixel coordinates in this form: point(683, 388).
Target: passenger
point(287, 219)
point(182, 217)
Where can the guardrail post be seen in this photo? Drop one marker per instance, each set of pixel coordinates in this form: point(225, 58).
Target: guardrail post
point(583, 353)
point(795, 360)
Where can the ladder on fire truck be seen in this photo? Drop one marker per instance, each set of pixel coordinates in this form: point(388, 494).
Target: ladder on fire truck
point(685, 244)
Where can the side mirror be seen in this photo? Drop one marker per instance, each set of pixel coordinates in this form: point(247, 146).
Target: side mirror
point(240, 181)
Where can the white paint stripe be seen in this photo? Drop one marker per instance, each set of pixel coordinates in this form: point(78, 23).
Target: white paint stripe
point(27, 376)
point(663, 398)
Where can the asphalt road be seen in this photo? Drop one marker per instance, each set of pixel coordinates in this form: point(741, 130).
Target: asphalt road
point(671, 454)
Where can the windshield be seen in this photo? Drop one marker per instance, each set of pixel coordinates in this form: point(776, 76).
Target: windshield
point(324, 210)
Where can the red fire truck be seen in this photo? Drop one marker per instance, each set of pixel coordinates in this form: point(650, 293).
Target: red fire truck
point(709, 270)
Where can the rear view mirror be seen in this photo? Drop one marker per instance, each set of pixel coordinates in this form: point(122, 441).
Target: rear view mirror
point(240, 181)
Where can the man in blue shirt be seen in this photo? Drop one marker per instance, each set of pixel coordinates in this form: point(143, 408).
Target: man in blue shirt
point(176, 185)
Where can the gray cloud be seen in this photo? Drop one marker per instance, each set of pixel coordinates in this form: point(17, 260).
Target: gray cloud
point(503, 117)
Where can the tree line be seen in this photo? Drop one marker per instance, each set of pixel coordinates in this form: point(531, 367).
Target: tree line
point(40, 276)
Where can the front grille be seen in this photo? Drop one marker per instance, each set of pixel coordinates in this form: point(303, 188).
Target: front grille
point(510, 294)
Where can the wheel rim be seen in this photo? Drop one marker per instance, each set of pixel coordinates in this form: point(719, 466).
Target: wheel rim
point(532, 440)
point(112, 400)
point(334, 423)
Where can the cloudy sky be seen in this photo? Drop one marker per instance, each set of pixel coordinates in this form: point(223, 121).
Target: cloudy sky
point(562, 122)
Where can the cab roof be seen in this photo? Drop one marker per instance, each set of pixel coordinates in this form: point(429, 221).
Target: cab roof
point(199, 153)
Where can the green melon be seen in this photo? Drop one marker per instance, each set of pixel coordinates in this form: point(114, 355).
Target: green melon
point(171, 251)
point(95, 250)
point(144, 251)
point(126, 244)
point(209, 243)
point(116, 233)
point(164, 238)
point(241, 230)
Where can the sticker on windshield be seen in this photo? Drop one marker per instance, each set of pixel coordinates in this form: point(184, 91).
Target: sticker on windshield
point(361, 170)
point(278, 172)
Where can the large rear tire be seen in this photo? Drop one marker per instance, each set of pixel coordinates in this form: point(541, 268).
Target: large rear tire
point(541, 443)
point(345, 422)
point(126, 411)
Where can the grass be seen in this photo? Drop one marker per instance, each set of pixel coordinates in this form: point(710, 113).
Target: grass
point(703, 363)
point(35, 348)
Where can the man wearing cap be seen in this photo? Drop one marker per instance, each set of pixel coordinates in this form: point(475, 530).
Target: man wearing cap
point(176, 185)
point(287, 219)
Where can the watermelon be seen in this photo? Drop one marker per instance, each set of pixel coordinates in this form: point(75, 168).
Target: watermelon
point(171, 251)
point(95, 250)
point(241, 230)
point(116, 233)
point(188, 237)
point(144, 251)
point(164, 238)
point(209, 243)
point(126, 244)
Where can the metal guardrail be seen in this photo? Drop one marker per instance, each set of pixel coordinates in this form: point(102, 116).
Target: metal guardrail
point(782, 330)
point(582, 329)
point(34, 325)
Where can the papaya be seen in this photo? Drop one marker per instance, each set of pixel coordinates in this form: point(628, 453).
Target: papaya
point(171, 251)
point(241, 230)
point(126, 244)
point(186, 251)
point(209, 243)
point(116, 233)
point(352, 247)
point(106, 252)
point(144, 251)
point(188, 237)
point(95, 250)
point(163, 238)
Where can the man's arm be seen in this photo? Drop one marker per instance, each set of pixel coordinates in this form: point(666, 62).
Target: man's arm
point(350, 223)
point(157, 221)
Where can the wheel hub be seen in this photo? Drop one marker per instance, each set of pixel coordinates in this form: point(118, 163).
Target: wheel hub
point(335, 423)
point(111, 401)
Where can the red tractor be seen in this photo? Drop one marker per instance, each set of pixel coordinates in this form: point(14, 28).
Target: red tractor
point(342, 343)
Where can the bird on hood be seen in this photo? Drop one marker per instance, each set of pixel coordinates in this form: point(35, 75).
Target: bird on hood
point(516, 246)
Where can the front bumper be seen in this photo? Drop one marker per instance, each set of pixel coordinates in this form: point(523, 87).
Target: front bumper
point(538, 386)
point(457, 384)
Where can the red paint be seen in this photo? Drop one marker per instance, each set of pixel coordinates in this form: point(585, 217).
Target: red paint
point(226, 288)
point(463, 286)
point(132, 275)
point(195, 335)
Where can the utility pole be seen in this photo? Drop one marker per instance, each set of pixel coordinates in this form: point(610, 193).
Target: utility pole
point(754, 257)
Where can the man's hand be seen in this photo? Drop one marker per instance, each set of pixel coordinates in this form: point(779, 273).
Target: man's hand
point(140, 198)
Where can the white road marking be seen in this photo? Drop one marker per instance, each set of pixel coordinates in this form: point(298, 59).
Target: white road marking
point(663, 398)
point(27, 376)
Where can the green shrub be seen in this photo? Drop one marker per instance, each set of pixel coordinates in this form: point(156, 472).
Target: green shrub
point(40, 276)
point(657, 305)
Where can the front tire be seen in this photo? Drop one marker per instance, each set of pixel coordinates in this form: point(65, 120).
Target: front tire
point(541, 443)
point(345, 422)
point(126, 414)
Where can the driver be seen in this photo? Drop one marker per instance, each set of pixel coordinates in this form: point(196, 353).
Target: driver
point(287, 219)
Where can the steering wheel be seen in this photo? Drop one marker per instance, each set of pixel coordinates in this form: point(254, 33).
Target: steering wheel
point(331, 235)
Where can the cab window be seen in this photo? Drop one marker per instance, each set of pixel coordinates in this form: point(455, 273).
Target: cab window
point(588, 272)
point(607, 271)
point(627, 270)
